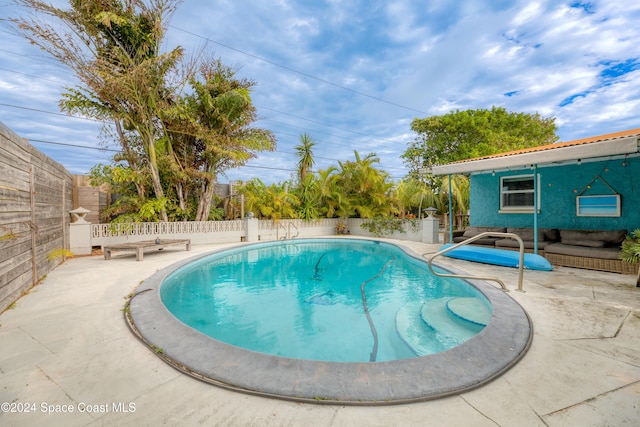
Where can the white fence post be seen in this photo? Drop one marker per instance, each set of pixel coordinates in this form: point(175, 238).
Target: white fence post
point(80, 238)
point(430, 230)
point(251, 228)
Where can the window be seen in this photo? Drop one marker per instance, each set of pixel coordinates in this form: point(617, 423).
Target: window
point(607, 205)
point(516, 194)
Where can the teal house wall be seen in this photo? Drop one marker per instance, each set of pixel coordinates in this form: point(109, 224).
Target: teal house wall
point(559, 186)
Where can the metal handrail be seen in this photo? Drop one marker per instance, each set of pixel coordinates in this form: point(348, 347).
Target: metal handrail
point(473, 239)
point(281, 225)
point(289, 230)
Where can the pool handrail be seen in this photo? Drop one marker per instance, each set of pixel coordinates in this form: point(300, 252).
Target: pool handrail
point(473, 239)
point(287, 231)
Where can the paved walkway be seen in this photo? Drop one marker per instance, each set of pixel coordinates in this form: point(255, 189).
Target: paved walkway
point(65, 349)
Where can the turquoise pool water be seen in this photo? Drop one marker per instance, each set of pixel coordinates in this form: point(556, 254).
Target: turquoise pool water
point(341, 300)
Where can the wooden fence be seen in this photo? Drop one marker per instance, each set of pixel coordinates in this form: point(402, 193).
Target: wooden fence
point(36, 196)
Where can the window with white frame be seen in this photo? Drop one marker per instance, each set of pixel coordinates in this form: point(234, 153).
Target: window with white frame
point(517, 194)
point(600, 205)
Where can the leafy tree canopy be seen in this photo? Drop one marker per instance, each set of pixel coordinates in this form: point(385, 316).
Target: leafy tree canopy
point(462, 135)
point(180, 122)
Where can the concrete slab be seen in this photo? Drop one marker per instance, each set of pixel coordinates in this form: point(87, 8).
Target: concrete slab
point(623, 346)
point(559, 375)
point(66, 343)
point(616, 408)
point(512, 408)
point(34, 399)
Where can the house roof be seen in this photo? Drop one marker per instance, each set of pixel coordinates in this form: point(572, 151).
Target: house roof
point(612, 144)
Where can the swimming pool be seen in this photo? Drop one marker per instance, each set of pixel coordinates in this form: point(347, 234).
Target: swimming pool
point(335, 300)
point(405, 372)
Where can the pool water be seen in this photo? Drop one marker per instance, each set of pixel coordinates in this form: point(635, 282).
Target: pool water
point(304, 299)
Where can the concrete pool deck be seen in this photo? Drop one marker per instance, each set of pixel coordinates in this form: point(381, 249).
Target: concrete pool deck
point(66, 347)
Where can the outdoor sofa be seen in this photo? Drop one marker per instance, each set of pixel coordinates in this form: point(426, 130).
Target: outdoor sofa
point(590, 249)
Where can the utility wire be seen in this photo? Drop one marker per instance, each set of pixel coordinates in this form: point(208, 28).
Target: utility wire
point(261, 107)
point(104, 149)
point(75, 146)
point(50, 112)
point(302, 73)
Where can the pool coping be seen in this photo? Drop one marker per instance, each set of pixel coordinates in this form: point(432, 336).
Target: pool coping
point(499, 346)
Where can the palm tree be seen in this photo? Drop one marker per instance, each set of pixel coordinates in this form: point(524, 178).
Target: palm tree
point(329, 193)
point(308, 193)
point(460, 194)
point(305, 155)
point(273, 202)
point(367, 190)
point(413, 194)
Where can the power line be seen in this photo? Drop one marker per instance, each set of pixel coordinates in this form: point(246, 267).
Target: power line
point(261, 107)
point(302, 73)
point(99, 121)
point(265, 108)
point(50, 112)
point(75, 146)
point(312, 121)
point(34, 58)
point(268, 167)
point(118, 151)
point(30, 75)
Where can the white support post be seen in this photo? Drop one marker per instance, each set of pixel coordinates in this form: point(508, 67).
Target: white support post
point(80, 233)
point(252, 229)
point(430, 227)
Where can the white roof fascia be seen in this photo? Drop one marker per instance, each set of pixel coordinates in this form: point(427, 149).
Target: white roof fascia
point(605, 148)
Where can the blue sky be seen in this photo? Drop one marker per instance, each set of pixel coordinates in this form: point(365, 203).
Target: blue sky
point(355, 74)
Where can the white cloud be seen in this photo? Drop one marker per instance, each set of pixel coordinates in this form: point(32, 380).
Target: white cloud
point(530, 13)
point(436, 56)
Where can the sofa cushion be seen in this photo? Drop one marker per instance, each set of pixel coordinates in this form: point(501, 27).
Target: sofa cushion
point(583, 251)
point(526, 234)
point(585, 242)
point(528, 244)
point(611, 237)
point(474, 231)
point(551, 234)
point(486, 241)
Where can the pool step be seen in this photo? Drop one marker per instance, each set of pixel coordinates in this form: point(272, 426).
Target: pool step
point(439, 324)
point(470, 309)
point(414, 332)
point(450, 329)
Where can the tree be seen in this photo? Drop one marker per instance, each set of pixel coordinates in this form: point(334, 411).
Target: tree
point(211, 133)
point(305, 155)
point(468, 134)
point(273, 202)
point(330, 195)
point(413, 195)
point(308, 193)
point(180, 142)
point(113, 48)
point(365, 190)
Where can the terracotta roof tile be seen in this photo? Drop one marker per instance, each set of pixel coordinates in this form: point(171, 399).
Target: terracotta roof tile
point(609, 136)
